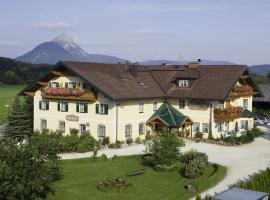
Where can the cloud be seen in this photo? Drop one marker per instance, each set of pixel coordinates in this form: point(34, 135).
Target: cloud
point(58, 26)
point(9, 43)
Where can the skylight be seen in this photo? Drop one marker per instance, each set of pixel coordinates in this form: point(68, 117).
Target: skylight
point(142, 84)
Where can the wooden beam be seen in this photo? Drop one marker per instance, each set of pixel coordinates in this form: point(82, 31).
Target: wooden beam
point(57, 73)
point(244, 76)
point(43, 83)
point(30, 93)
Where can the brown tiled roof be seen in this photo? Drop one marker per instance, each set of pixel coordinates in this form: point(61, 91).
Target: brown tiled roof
point(116, 81)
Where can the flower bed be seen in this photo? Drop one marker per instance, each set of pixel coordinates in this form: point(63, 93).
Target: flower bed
point(63, 92)
point(228, 113)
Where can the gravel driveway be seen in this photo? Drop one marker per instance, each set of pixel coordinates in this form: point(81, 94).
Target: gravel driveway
point(241, 161)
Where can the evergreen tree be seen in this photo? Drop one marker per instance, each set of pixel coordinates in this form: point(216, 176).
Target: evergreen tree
point(19, 123)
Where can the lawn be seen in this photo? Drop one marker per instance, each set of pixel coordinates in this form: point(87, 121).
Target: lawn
point(7, 94)
point(81, 177)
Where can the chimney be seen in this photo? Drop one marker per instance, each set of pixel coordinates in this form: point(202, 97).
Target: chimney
point(193, 64)
point(133, 69)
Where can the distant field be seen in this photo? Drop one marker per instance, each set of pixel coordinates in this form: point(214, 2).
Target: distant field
point(7, 94)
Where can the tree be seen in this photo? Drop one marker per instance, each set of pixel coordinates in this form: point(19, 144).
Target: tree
point(268, 75)
point(19, 123)
point(28, 170)
point(163, 151)
point(10, 77)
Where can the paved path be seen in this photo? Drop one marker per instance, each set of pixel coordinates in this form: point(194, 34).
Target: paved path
point(241, 161)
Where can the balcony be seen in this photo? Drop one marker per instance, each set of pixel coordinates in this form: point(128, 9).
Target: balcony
point(68, 94)
point(227, 114)
point(241, 91)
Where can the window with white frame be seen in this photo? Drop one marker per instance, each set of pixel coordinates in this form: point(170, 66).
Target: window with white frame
point(205, 127)
point(82, 128)
point(141, 128)
point(101, 130)
point(102, 109)
point(196, 127)
point(183, 83)
point(82, 107)
point(62, 126)
point(181, 104)
point(70, 85)
point(154, 106)
point(62, 106)
point(141, 107)
point(54, 84)
point(245, 103)
point(44, 105)
point(220, 126)
point(128, 130)
point(244, 124)
point(43, 124)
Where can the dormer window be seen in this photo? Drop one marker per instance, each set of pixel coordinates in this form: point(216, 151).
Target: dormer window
point(70, 85)
point(54, 84)
point(183, 83)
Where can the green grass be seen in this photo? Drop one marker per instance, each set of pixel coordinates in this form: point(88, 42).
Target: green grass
point(81, 177)
point(7, 94)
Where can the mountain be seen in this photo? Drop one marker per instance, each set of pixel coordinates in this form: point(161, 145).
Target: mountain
point(260, 69)
point(174, 62)
point(63, 48)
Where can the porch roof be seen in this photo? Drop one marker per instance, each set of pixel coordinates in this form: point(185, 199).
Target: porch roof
point(248, 113)
point(168, 115)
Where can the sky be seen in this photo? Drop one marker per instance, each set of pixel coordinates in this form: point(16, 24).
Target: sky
point(231, 30)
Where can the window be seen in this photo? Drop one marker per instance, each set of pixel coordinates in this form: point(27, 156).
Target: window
point(86, 86)
point(54, 84)
point(245, 103)
point(102, 109)
point(70, 85)
point(220, 127)
point(82, 128)
point(101, 131)
point(183, 83)
point(244, 124)
point(181, 104)
point(82, 107)
point(205, 127)
point(141, 107)
point(128, 130)
point(43, 124)
point(155, 106)
point(62, 126)
point(196, 126)
point(44, 105)
point(63, 106)
point(141, 128)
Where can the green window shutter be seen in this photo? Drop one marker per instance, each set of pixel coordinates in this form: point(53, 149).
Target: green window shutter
point(97, 108)
point(47, 105)
point(84, 86)
point(106, 109)
point(50, 84)
point(74, 85)
point(39, 105)
point(58, 106)
point(57, 84)
point(86, 108)
point(66, 107)
point(77, 107)
point(66, 85)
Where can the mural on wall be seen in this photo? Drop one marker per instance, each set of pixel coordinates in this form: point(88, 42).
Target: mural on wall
point(197, 105)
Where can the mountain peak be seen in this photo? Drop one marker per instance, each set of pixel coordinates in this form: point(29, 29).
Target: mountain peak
point(65, 41)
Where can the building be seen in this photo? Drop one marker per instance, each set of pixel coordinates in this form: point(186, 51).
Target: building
point(240, 194)
point(263, 102)
point(120, 101)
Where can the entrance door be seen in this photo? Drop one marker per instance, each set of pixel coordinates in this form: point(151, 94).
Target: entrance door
point(82, 128)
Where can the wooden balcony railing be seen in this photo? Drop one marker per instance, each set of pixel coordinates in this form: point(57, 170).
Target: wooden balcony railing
point(68, 94)
point(228, 114)
point(241, 91)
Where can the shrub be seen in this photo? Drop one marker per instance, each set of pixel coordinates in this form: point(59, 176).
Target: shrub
point(103, 157)
point(198, 135)
point(74, 131)
point(198, 197)
point(116, 145)
point(70, 143)
point(148, 136)
point(87, 143)
point(106, 141)
point(193, 154)
point(129, 141)
point(138, 140)
point(195, 168)
point(162, 151)
point(116, 183)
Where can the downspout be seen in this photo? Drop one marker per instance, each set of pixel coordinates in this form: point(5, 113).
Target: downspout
point(210, 120)
point(116, 123)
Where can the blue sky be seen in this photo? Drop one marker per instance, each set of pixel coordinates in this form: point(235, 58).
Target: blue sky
point(232, 30)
